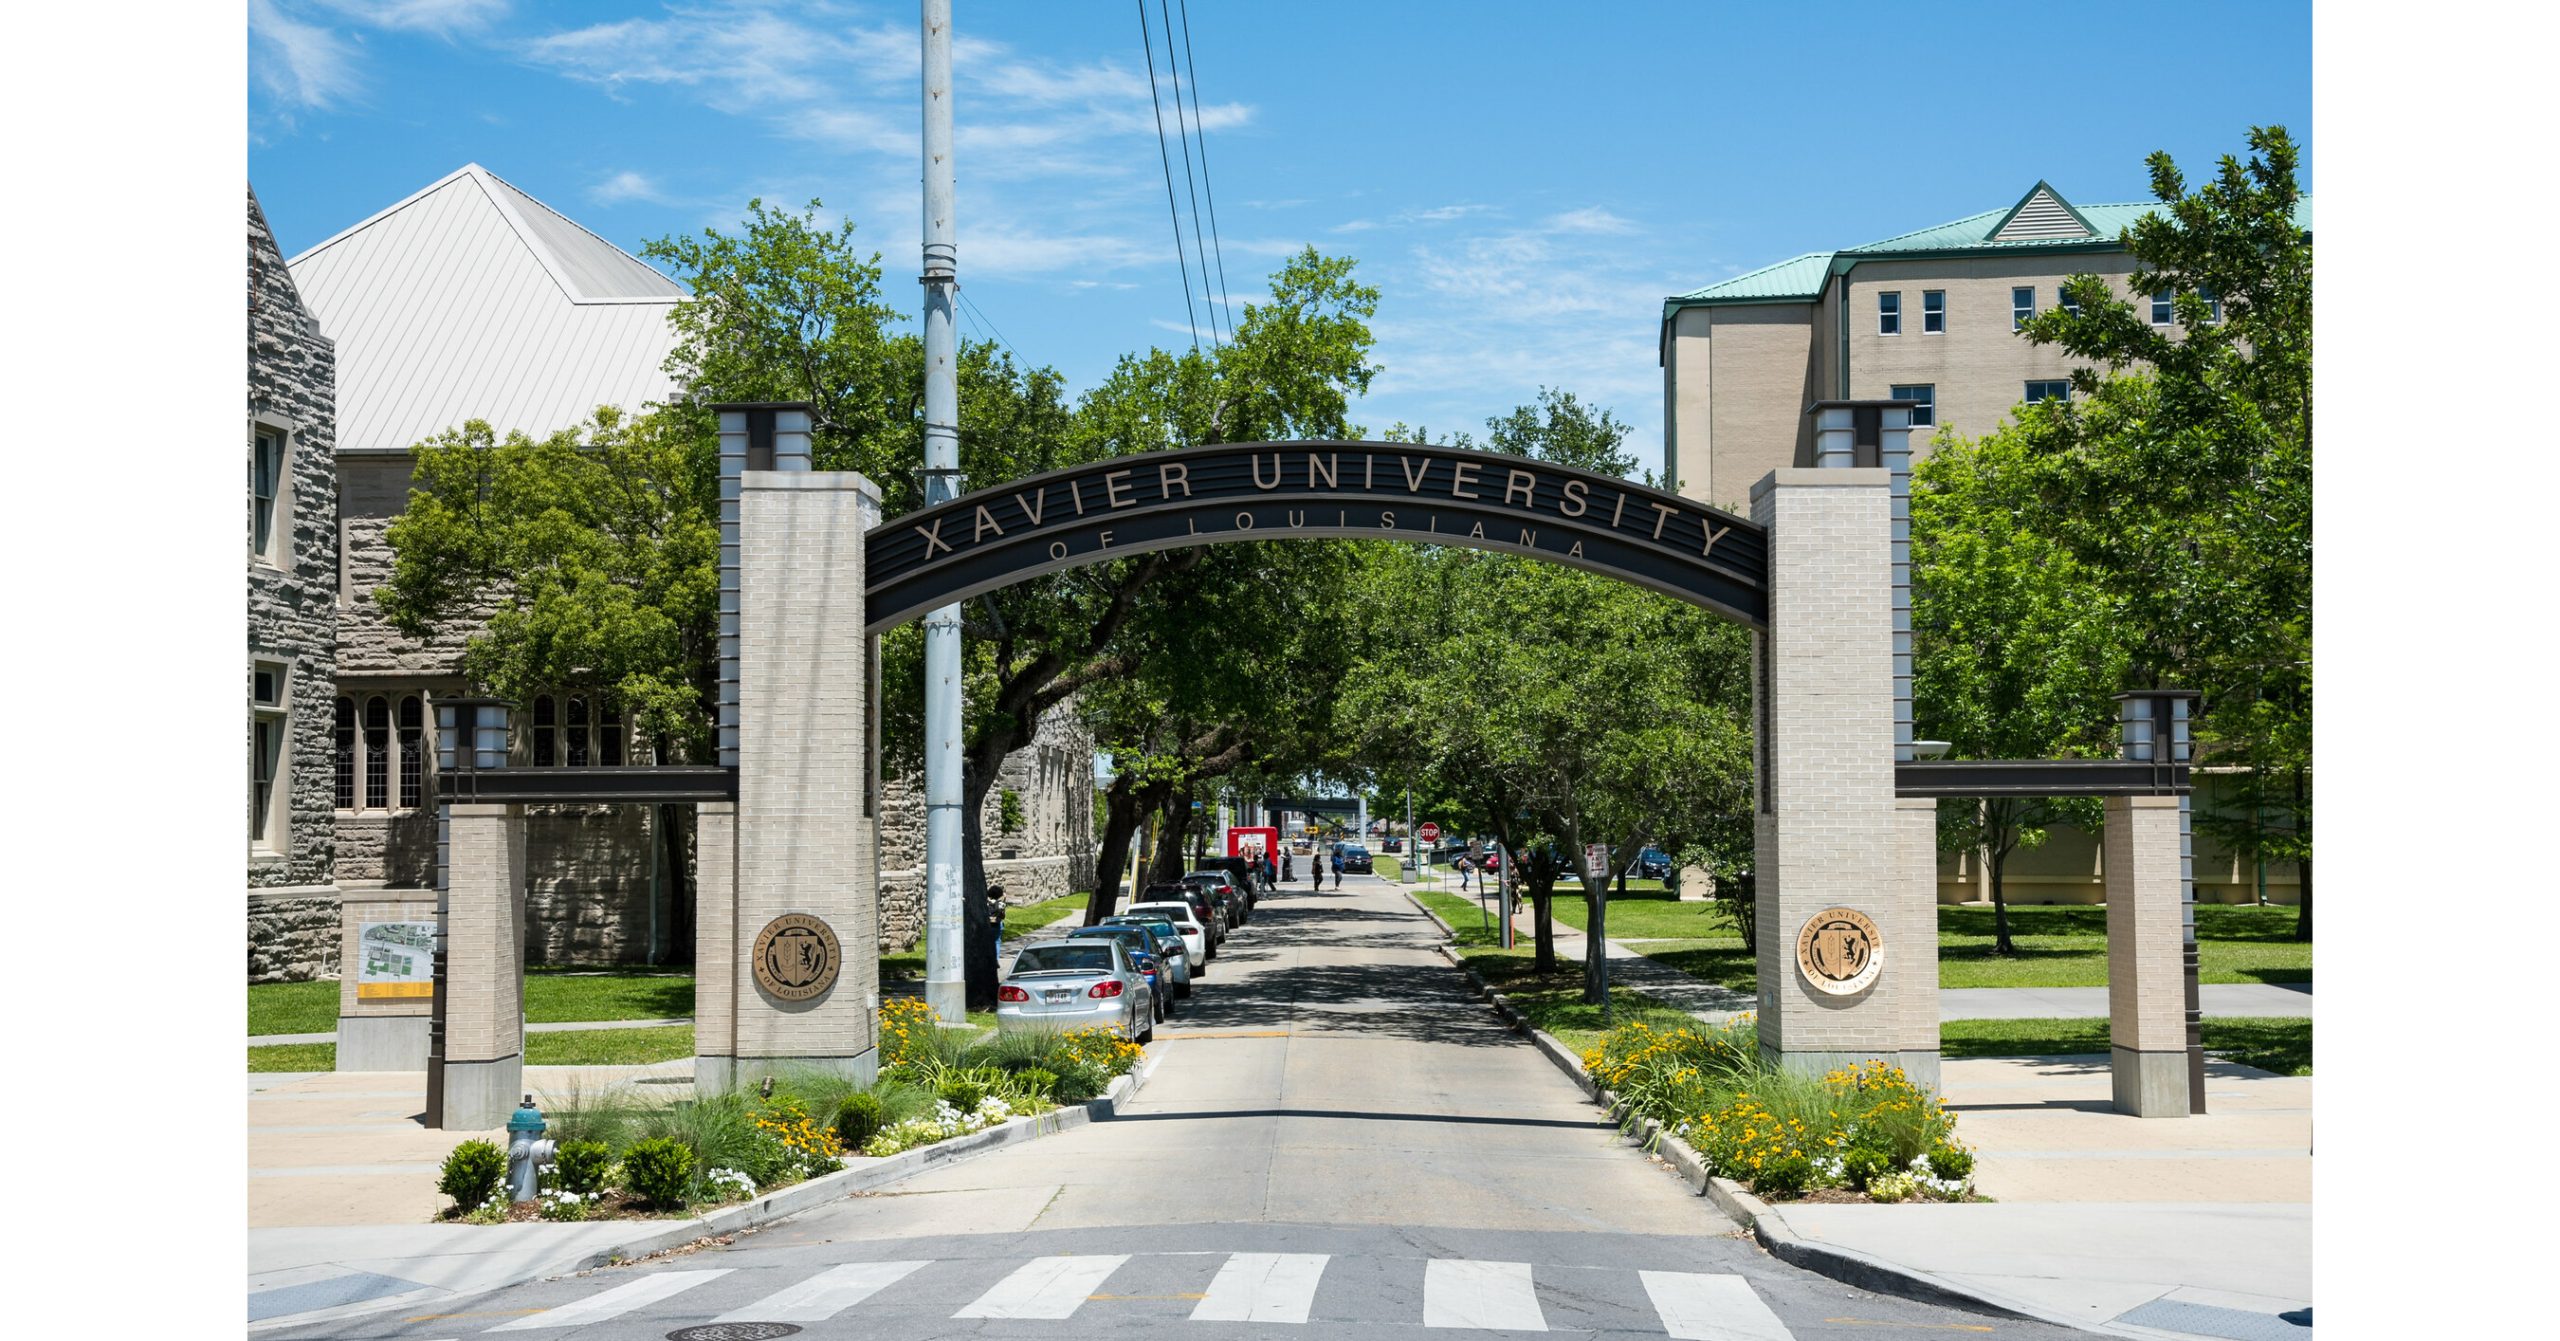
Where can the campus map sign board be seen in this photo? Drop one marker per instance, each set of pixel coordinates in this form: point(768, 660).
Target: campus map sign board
point(1250, 491)
point(395, 961)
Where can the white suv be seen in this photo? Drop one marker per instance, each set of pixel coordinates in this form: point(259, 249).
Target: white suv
point(1195, 937)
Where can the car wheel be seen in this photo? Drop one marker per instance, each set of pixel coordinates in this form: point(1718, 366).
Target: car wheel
point(1148, 1034)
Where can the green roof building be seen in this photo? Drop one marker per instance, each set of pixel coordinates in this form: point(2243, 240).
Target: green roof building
point(1929, 316)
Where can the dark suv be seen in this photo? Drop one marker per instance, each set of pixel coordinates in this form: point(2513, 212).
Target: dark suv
point(1355, 857)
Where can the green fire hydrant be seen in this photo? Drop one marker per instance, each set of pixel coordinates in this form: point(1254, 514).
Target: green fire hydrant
point(527, 1152)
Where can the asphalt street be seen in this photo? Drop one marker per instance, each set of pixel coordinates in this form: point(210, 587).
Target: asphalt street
point(1338, 1139)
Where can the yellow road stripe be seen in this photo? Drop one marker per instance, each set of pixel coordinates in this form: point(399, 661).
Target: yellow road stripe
point(1168, 1036)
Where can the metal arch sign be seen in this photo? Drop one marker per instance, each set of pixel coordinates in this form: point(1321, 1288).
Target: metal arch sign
point(1412, 492)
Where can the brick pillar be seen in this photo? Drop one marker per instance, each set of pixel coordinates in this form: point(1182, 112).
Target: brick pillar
point(2146, 971)
point(804, 839)
point(1827, 832)
point(1912, 922)
point(716, 953)
point(484, 974)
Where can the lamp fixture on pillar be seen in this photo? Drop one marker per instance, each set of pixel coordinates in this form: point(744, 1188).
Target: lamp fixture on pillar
point(2156, 727)
point(471, 736)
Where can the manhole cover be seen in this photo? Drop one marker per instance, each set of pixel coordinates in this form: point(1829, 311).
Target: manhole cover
point(734, 1331)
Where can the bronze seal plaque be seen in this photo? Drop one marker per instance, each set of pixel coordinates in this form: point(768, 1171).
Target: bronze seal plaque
point(797, 957)
point(1840, 952)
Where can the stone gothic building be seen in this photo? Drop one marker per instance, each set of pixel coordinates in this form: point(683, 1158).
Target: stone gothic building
point(472, 299)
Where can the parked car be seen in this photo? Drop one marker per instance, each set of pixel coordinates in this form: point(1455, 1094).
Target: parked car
point(1247, 878)
point(1228, 889)
point(1185, 919)
point(1142, 952)
point(1061, 985)
point(1169, 946)
point(1651, 864)
point(1213, 915)
point(1391, 844)
point(1355, 857)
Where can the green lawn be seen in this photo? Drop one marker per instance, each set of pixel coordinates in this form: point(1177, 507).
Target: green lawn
point(583, 1047)
point(2061, 946)
point(1553, 1001)
point(2279, 1045)
point(551, 996)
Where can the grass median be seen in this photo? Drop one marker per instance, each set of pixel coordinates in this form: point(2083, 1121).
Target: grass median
point(573, 1047)
point(551, 996)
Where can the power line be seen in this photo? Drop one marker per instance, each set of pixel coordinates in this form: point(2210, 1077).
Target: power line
point(1224, 294)
point(1173, 66)
point(990, 323)
point(1164, 156)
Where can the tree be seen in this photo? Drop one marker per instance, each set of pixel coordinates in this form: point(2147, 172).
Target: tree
point(2016, 648)
point(591, 557)
point(2180, 474)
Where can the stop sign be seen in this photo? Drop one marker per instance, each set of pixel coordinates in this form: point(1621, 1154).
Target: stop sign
point(1430, 832)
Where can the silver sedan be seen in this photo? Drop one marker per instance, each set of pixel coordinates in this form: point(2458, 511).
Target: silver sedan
point(1062, 985)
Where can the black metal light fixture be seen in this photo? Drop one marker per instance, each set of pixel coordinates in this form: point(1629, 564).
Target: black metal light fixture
point(471, 734)
point(2154, 725)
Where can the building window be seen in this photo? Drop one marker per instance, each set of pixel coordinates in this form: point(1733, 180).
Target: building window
point(1933, 312)
point(267, 721)
point(2043, 391)
point(1925, 414)
point(266, 490)
point(2022, 305)
point(1888, 314)
point(2214, 300)
point(2069, 303)
point(2163, 311)
point(377, 753)
point(413, 752)
point(571, 731)
point(346, 753)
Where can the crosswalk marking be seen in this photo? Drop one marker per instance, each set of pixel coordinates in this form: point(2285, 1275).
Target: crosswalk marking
point(1697, 1307)
point(1263, 1287)
point(824, 1295)
point(1047, 1287)
point(1491, 1296)
point(615, 1302)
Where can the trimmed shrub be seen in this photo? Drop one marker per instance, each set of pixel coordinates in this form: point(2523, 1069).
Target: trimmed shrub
point(581, 1167)
point(472, 1173)
point(1079, 1081)
point(964, 1095)
point(1035, 1083)
point(1783, 1177)
point(659, 1171)
point(1951, 1161)
point(858, 1119)
point(1862, 1165)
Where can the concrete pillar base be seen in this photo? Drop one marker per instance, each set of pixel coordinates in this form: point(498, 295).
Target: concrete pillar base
point(2150, 1084)
point(382, 1043)
point(861, 1068)
point(481, 1095)
point(714, 1075)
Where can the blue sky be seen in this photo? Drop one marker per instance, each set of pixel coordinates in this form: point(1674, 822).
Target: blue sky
point(1524, 182)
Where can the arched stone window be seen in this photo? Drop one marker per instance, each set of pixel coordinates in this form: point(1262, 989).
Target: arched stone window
point(546, 731)
point(377, 753)
point(413, 752)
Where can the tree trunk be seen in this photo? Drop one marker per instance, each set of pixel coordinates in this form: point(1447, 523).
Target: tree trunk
point(2000, 942)
point(1595, 989)
point(978, 941)
point(1119, 829)
point(1543, 901)
point(1166, 864)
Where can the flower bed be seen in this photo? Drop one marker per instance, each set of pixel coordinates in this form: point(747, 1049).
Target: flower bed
point(1865, 1132)
point(620, 1157)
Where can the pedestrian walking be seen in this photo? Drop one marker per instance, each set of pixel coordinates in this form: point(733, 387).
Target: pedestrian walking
point(1337, 868)
point(1288, 867)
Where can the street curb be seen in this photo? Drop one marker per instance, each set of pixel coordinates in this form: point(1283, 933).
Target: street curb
point(788, 1201)
point(1766, 1223)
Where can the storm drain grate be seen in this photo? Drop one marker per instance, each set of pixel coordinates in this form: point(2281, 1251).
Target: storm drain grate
point(2238, 1324)
point(734, 1331)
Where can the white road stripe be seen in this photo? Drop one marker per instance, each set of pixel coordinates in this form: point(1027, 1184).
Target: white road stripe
point(1711, 1308)
point(1048, 1287)
point(615, 1302)
point(1263, 1287)
point(824, 1295)
point(1491, 1296)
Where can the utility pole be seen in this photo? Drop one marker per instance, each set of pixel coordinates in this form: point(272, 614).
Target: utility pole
point(946, 980)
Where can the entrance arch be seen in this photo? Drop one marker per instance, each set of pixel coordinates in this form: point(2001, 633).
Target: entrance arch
point(1411, 492)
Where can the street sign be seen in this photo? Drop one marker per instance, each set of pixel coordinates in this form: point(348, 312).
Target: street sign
point(1596, 856)
point(1430, 832)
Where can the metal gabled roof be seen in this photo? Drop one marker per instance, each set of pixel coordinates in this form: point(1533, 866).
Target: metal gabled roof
point(1796, 279)
point(473, 300)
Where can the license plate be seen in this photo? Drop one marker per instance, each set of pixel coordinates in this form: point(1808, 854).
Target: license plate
point(1058, 994)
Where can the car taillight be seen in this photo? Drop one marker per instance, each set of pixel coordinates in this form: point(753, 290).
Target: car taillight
point(1009, 992)
point(1108, 987)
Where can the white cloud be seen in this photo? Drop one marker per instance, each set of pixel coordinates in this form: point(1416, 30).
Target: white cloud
point(302, 64)
point(1590, 219)
point(625, 185)
point(443, 17)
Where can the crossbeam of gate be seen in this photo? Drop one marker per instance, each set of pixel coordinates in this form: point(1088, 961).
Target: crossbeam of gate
point(1302, 490)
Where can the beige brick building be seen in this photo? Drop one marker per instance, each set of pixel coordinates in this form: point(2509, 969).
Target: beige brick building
point(1929, 316)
